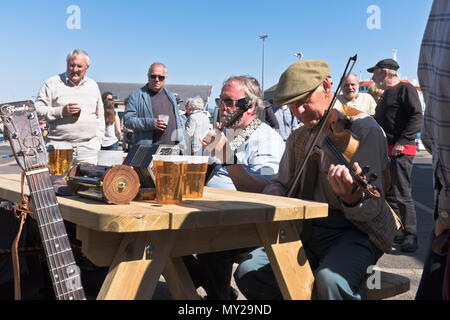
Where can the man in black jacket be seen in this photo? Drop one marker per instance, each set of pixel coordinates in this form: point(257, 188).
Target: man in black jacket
point(399, 113)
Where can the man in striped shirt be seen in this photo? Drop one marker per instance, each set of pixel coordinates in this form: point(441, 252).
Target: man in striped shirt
point(434, 77)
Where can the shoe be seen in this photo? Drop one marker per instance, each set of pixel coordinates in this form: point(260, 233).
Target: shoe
point(409, 243)
point(399, 237)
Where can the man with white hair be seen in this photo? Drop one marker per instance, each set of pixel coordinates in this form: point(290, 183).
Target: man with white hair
point(197, 125)
point(399, 113)
point(253, 153)
point(351, 101)
point(72, 105)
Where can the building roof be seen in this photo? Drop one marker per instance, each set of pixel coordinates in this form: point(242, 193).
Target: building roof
point(122, 90)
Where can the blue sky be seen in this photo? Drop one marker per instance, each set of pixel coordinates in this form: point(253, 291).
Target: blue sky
point(202, 42)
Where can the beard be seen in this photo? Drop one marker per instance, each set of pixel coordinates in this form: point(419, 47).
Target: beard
point(350, 96)
point(236, 124)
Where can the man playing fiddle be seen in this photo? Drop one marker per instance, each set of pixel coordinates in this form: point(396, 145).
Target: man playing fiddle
point(357, 231)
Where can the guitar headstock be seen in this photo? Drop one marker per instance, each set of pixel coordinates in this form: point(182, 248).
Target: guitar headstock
point(242, 105)
point(24, 133)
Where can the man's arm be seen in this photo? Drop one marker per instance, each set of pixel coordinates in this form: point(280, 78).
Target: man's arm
point(100, 132)
point(135, 121)
point(413, 109)
point(44, 107)
point(244, 181)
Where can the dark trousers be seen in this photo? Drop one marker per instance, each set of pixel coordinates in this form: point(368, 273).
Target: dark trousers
point(339, 255)
point(430, 286)
point(431, 282)
point(399, 195)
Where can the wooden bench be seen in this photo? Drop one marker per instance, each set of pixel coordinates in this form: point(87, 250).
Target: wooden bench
point(391, 284)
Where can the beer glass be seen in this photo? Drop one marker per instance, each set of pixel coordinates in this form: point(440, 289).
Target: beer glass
point(60, 158)
point(194, 176)
point(169, 171)
point(164, 117)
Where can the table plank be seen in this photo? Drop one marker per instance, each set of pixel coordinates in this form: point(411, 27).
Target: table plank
point(217, 207)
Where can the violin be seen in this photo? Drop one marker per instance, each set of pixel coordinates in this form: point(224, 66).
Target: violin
point(339, 143)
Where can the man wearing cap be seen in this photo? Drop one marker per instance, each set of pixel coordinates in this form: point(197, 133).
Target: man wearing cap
point(357, 231)
point(399, 113)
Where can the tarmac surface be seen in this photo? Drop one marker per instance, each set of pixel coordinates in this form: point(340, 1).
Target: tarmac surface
point(406, 264)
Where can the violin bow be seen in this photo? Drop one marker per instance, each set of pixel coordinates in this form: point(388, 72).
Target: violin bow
point(319, 127)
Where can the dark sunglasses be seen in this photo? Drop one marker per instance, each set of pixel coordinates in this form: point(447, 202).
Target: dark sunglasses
point(154, 76)
point(229, 103)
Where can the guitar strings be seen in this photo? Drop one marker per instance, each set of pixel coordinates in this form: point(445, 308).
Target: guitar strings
point(54, 229)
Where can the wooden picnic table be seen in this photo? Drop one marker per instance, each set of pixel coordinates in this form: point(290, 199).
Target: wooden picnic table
point(142, 240)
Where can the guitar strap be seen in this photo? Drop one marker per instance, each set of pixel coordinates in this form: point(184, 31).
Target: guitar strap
point(243, 135)
point(20, 211)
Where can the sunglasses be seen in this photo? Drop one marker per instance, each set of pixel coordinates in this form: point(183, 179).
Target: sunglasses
point(154, 76)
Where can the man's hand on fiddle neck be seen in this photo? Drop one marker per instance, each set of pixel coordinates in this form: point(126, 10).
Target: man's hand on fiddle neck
point(342, 183)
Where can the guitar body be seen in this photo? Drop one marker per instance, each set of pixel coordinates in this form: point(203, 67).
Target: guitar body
point(24, 134)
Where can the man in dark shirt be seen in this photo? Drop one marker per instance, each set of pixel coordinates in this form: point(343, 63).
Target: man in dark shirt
point(399, 113)
point(152, 112)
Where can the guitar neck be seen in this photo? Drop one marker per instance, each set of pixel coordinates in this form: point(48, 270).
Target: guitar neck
point(64, 272)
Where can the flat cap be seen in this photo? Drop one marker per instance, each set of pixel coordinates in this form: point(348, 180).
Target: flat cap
point(385, 64)
point(299, 79)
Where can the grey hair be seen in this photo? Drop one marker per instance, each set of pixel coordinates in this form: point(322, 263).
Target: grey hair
point(78, 52)
point(154, 64)
point(252, 90)
point(352, 74)
point(196, 103)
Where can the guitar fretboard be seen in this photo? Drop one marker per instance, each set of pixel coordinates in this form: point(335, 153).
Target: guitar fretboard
point(64, 273)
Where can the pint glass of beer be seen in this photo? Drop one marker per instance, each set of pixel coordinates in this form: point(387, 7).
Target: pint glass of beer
point(169, 171)
point(60, 158)
point(194, 176)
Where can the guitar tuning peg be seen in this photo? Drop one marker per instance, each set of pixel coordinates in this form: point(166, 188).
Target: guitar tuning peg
point(365, 170)
point(50, 148)
point(372, 177)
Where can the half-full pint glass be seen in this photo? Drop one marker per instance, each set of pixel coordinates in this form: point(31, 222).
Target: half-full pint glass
point(169, 171)
point(60, 159)
point(194, 176)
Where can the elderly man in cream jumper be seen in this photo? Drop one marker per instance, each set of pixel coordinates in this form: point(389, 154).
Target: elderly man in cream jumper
point(72, 105)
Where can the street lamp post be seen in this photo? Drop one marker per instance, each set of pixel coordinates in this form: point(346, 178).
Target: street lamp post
point(263, 38)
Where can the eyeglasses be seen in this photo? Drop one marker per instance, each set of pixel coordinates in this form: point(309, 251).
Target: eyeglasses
point(154, 76)
point(229, 103)
point(79, 66)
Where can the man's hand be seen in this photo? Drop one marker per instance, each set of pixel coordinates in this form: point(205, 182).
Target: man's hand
point(160, 124)
point(341, 182)
point(397, 150)
point(216, 143)
point(71, 110)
